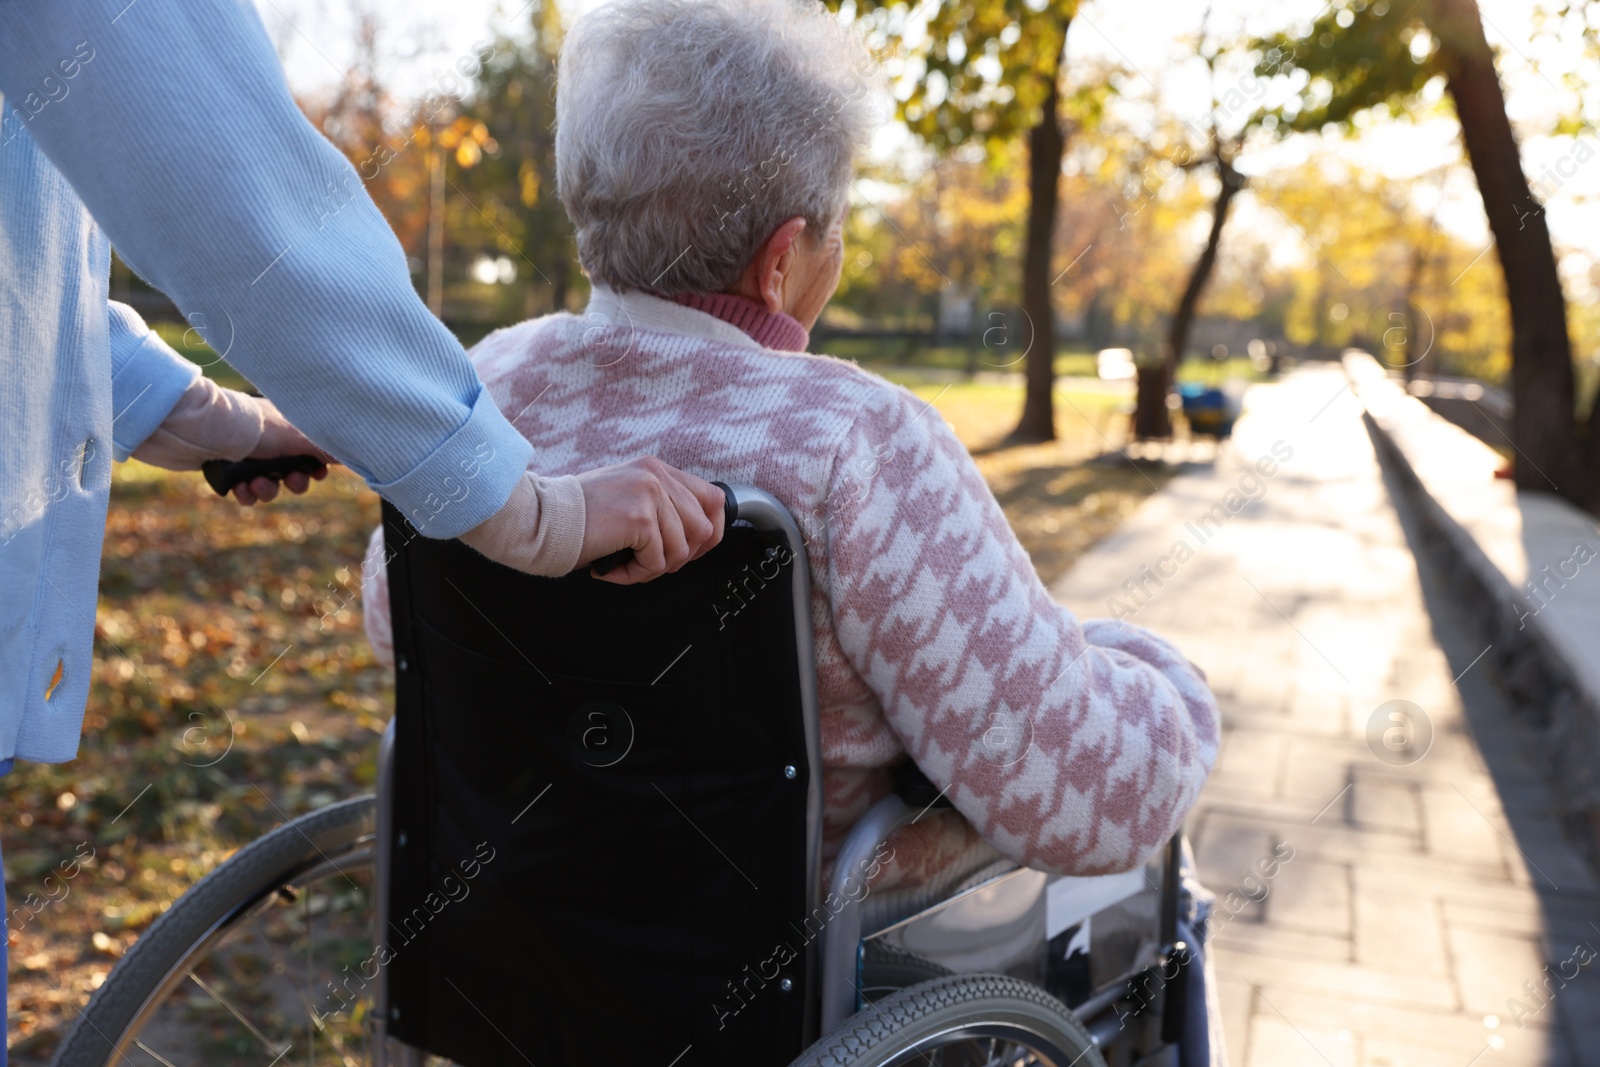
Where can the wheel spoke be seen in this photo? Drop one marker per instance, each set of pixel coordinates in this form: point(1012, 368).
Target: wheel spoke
point(314, 1026)
point(210, 948)
point(153, 1054)
point(246, 1023)
point(1004, 1059)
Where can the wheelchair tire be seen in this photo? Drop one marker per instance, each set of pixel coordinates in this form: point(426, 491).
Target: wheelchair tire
point(945, 1013)
point(188, 927)
point(957, 1010)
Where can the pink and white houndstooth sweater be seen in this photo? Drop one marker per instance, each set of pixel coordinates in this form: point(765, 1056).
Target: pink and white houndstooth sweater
point(1071, 747)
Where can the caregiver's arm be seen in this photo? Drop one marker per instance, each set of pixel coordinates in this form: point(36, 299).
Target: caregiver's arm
point(148, 379)
point(175, 126)
point(167, 414)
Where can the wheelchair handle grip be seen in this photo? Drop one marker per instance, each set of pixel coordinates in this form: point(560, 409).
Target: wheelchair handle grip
point(730, 515)
point(222, 475)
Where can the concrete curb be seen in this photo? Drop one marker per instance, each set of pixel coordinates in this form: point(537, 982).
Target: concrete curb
point(1530, 559)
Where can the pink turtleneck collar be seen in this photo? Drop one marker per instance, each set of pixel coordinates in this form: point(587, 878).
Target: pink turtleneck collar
point(766, 328)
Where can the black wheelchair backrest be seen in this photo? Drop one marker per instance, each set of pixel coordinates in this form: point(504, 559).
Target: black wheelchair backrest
point(603, 806)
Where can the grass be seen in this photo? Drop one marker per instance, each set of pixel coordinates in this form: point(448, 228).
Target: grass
point(884, 353)
point(888, 355)
point(223, 661)
point(232, 687)
point(1214, 372)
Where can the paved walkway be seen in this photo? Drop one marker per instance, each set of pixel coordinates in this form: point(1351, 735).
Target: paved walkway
point(1398, 899)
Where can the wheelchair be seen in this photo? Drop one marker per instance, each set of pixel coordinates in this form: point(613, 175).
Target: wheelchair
point(596, 839)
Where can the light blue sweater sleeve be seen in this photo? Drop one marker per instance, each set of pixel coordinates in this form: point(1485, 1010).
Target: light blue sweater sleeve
point(147, 378)
point(174, 124)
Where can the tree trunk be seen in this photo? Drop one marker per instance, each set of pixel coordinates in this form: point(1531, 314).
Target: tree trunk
point(1408, 333)
point(436, 228)
point(1542, 388)
point(1151, 418)
point(1097, 322)
point(1152, 421)
point(1046, 145)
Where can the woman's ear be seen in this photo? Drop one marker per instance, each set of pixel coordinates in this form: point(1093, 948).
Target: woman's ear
point(768, 274)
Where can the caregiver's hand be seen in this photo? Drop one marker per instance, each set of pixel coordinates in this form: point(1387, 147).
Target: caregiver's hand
point(668, 518)
point(278, 438)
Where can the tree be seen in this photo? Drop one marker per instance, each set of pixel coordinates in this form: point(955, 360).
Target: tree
point(992, 71)
point(1360, 236)
point(514, 190)
point(1358, 57)
point(441, 137)
point(952, 227)
point(1125, 234)
point(362, 118)
point(1151, 416)
point(1423, 253)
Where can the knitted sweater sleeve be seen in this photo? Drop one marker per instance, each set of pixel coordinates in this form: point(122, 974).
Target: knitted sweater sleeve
point(1075, 748)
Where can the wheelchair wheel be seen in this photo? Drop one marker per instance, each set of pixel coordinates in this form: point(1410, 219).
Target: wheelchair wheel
point(244, 967)
point(959, 1021)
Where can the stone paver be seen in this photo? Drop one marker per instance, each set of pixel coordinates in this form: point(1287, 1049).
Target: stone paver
point(1430, 904)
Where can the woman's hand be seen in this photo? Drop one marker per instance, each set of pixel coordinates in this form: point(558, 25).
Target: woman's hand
point(279, 438)
point(668, 518)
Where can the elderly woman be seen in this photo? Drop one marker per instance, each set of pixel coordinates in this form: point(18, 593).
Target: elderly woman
point(704, 153)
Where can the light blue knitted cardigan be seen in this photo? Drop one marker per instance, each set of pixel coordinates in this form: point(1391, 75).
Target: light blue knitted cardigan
point(166, 126)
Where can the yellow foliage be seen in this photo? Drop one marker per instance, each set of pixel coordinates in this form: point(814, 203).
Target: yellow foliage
point(1371, 264)
point(528, 183)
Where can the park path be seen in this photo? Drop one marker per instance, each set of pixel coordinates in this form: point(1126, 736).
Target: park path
point(1431, 913)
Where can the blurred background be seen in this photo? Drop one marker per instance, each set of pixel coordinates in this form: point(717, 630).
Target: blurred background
point(1082, 229)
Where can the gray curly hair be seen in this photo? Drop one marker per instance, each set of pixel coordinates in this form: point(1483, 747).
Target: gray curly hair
point(688, 131)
